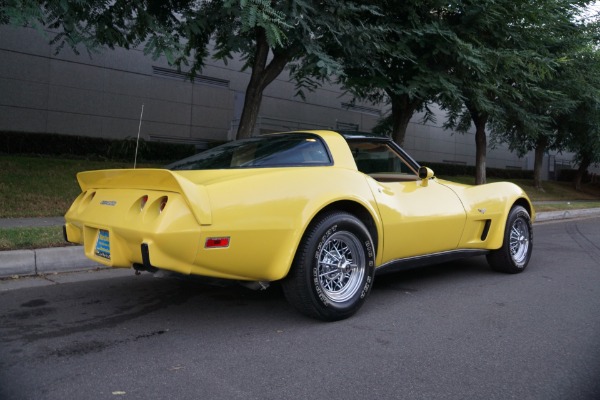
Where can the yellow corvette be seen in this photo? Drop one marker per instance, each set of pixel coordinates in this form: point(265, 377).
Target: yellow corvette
point(320, 211)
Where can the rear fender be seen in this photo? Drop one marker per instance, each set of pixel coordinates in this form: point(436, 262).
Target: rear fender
point(270, 213)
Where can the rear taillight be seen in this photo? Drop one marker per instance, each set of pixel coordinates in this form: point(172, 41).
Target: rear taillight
point(84, 200)
point(143, 202)
point(162, 204)
point(87, 198)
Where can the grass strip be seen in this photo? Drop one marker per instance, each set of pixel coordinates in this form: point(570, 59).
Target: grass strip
point(551, 190)
point(567, 205)
point(31, 238)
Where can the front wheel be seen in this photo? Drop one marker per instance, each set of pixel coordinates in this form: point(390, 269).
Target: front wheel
point(516, 248)
point(333, 270)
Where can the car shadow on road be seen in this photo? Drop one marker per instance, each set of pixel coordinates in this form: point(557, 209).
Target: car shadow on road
point(435, 273)
point(192, 303)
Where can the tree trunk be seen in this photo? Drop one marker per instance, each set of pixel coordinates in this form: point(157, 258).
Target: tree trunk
point(540, 150)
point(252, 101)
point(480, 121)
point(583, 167)
point(403, 110)
point(262, 75)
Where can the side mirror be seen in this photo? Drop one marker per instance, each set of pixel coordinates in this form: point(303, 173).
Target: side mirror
point(425, 174)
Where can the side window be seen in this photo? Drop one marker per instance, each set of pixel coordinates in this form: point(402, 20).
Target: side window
point(380, 161)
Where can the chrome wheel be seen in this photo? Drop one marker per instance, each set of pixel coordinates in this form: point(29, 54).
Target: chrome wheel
point(517, 245)
point(341, 267)
point(519, 241)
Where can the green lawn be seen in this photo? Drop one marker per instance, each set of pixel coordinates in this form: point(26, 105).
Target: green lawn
point(41, 186)
point(31, 238)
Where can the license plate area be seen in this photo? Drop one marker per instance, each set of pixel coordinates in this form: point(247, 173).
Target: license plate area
point(103, 244)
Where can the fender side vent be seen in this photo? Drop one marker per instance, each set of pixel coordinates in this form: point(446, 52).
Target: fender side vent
point(486, 229)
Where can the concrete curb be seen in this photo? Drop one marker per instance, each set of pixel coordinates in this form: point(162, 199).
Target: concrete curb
point(45, 261)
point(566, 214)
point(72, 258)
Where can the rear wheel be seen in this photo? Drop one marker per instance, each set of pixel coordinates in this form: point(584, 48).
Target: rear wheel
point(516, 248)
point(333, 270)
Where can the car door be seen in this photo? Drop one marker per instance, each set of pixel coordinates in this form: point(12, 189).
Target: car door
point(418, 219)
point(419, 216)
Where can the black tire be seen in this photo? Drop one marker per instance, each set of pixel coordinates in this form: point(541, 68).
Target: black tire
point(517, 245)
point(333, 269)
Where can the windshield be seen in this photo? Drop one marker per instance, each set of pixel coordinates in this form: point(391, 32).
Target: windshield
point(281, 150)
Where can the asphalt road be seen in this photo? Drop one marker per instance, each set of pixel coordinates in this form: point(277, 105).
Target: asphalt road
point(451, 331)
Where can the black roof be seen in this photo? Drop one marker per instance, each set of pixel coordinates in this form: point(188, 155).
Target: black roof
point(348, 135)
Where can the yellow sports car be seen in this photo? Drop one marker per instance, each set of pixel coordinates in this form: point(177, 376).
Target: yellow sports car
point(319, 211)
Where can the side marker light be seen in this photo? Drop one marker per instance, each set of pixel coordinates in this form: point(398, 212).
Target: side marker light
point(216, 242)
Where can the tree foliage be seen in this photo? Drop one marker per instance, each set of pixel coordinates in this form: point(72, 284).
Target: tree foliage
point(409, 69)
point(526, 72)
point(515, 39)
point(580, 129)
point(267, 35)
point(541, 122)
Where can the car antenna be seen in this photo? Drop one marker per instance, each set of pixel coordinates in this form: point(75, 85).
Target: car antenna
point(137, 142)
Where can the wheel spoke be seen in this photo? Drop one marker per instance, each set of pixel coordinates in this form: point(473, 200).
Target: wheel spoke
point(341, 266)
point(331, 255)
point(515, 232)
point(327, 273)
point(328, 264)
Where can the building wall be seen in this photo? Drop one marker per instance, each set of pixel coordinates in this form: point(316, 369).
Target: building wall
point(433, 143)
point(102, 95)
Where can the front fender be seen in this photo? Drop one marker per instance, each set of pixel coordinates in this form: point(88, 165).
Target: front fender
point(489, 203)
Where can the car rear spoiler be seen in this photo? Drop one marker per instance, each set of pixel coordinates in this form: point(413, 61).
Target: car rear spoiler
point(164, 180)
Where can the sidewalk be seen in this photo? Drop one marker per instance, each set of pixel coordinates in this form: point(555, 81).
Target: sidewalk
point(31, 222)
point(19, 263)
